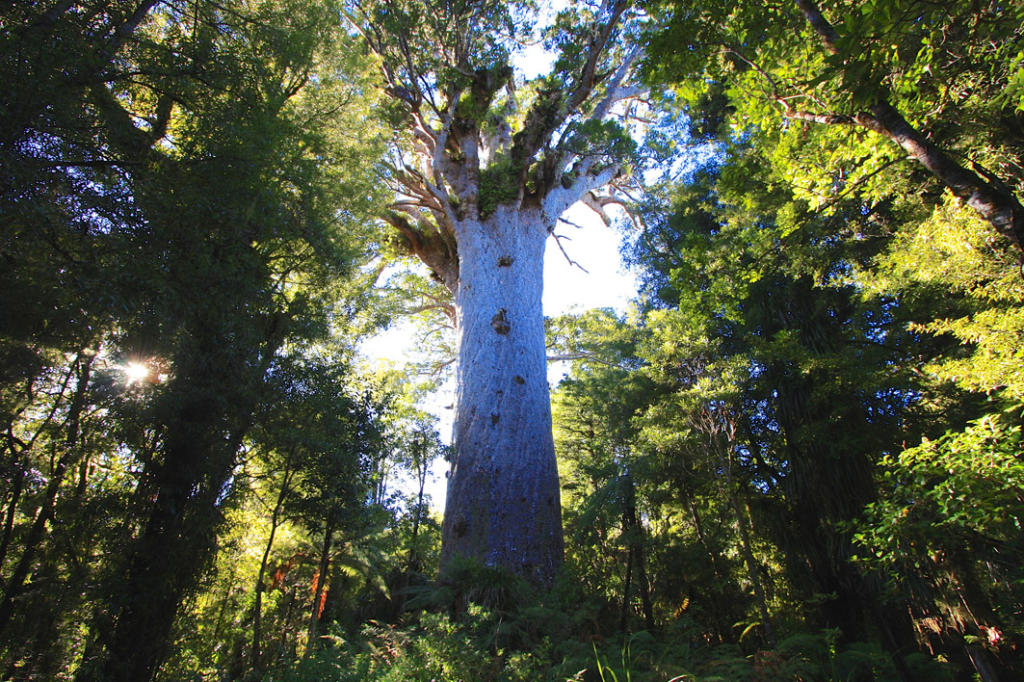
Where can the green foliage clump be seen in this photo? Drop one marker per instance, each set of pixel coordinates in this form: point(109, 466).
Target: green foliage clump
point(499, 184)
point(799, 457)
point(953, 510)
point(959, 491)
point(607, 138)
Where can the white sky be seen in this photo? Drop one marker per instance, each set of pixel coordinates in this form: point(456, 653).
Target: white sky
point(596, 248)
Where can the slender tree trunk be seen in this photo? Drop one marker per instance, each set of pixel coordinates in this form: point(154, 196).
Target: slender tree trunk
point(721, 629)
point(46, 647)
point(286, 627)
point(20, 461)
point(982, 665)
point(412, 563)
point(257, 609)
point(12, 509)
point(897, 635)
point(698, 526)
point(83, 477)
point(753, 568)
point(973, 598)
point(72, 449)
point(421, 476)
point(503, 505)
point(624, 616)
point(635, 533)
point(321, 578)
point(645, 588)
point(221, 620)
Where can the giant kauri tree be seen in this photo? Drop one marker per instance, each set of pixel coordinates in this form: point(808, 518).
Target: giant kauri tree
point(484, 166)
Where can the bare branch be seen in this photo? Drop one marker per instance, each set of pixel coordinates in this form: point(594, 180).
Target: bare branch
point(445, 308)
point(560, 198)
point(589, 356)
point(826, 119)
point(558, 241)
point(595, 204)
point(820, 24)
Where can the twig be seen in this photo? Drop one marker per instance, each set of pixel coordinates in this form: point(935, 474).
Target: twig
point(558, 238)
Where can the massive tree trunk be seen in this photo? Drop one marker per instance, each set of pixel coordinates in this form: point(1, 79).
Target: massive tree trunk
point(503, 501)
point(488, 169)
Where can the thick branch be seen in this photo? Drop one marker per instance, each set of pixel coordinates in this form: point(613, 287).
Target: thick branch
point(446, 308)
point(821, 25)
point(587, 79)
point(998, 205)
point(559, 199)
point(616, 92)
point(597, 204)
point(462, 154)
point(992, 200)
point(125, 30)
point(436, 252)
point(421, 193)
point(552, 107)
point(130, 141)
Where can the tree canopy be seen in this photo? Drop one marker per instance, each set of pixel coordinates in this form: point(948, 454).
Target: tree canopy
point(797, 455)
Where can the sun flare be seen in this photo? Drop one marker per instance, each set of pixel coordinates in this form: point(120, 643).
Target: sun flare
point(135, 372)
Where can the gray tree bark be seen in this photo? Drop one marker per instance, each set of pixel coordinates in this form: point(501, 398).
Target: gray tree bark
point(503, 500)
point(477, 206)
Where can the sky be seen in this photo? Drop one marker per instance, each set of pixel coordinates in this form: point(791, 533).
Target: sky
point(596, 248)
